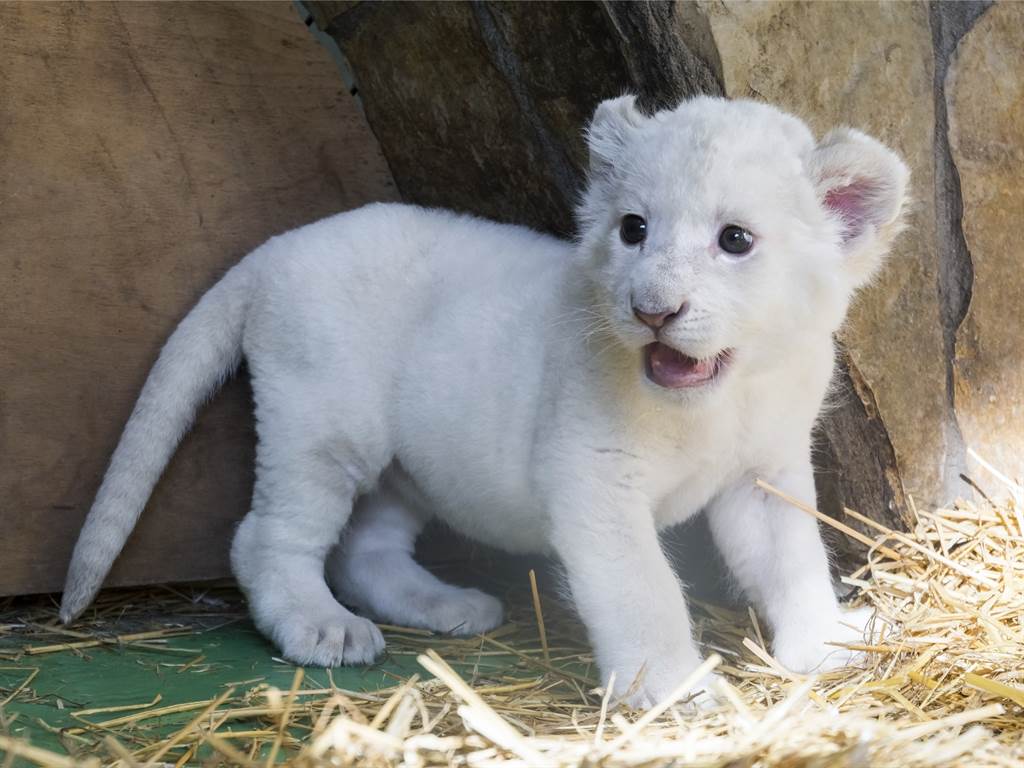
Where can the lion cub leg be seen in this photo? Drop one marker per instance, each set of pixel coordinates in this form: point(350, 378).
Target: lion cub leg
point(373, 570)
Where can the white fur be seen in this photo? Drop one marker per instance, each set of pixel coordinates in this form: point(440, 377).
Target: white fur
point(415, 363)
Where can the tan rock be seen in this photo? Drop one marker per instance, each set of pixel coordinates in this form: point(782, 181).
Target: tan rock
point(985, 95)
point(869, 66)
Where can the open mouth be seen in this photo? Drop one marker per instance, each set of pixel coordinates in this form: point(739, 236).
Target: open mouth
point(671, 369)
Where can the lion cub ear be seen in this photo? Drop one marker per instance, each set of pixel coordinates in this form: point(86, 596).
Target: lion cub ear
point(609, 130)
point(862, 185)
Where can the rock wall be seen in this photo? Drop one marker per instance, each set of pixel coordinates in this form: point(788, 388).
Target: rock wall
point(984, 92)
point(479, 106)
point(882, 67)
point(936, 340)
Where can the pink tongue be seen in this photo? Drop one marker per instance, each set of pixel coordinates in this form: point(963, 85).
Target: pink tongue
point(674, 370)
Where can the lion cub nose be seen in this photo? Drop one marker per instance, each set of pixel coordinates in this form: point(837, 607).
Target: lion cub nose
point(655, 320)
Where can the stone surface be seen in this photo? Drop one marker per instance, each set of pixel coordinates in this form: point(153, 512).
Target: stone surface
point(479, 106)
point(985, 97)
point(869, 66)
point(489, 122)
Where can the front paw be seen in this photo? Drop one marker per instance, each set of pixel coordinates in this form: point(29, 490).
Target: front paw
point(329, 641)
point(812, 650)
point(654, 686)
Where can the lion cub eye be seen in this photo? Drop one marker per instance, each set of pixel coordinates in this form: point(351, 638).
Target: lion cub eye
point(633, 229)
point(735, 240)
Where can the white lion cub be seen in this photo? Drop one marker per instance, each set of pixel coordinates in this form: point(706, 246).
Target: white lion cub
point(571, 398)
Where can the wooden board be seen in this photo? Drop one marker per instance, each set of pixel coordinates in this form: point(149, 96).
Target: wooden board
point(144, 148)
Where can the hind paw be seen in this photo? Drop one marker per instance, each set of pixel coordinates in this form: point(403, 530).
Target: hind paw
point(463, 612)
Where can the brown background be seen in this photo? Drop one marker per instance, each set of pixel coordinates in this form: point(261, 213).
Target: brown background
point(144, 148)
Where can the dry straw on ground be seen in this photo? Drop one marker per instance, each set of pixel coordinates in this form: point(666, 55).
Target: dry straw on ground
point(941, 685)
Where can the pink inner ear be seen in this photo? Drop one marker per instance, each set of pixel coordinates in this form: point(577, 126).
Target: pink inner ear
point(853, 204)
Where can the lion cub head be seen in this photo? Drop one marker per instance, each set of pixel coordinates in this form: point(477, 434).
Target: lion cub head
point(720, 234)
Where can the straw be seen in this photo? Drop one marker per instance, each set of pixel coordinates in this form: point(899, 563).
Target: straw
point(940, 684)
point(540, 616)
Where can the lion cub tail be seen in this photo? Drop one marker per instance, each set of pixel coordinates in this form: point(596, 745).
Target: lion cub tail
point(203, 351)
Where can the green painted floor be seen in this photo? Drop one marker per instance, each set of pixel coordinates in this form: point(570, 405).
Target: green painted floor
point(190, 668)
point(214, 648)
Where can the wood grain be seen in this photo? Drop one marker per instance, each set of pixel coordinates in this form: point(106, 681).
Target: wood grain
point(144, 148)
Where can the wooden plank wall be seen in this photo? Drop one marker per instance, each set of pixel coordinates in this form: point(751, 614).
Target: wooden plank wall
point(144, 148)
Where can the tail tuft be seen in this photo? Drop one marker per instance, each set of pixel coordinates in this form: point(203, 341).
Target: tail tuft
point(77, 596)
